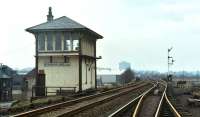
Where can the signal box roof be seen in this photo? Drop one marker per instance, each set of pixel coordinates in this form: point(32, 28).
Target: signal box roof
point(62, 24)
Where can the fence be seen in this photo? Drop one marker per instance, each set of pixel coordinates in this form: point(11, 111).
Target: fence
point(44, 91)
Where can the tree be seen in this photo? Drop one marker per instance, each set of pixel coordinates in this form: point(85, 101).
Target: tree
point(127, 76)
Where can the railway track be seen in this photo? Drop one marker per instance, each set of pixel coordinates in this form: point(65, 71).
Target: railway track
point(166, 108)
point(171, 107)
point(149, 102)
point(128, 109)
point(138, 107)
point(73, 107)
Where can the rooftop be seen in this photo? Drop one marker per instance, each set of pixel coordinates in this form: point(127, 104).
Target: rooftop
point(110, 72)
point(63, 23)
point(3, 73)
point(7, 72)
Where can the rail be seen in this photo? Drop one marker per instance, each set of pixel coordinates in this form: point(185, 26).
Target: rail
point(93, 104)
point(164, 97)
point(70, 102)
point(125, 107)
point(138, 100)
point(161, 101)
point(175, 112)
point(139, 105)
point(129, 104)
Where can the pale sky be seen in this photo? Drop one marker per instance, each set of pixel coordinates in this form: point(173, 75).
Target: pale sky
point(137, 31)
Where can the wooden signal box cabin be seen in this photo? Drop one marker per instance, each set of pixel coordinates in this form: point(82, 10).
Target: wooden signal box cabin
point(65, 53)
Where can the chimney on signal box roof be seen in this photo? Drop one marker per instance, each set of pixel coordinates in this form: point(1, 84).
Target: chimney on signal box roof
point(50, 16)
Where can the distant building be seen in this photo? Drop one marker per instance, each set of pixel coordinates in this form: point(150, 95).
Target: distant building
point(124, 65)
point(65, 53)
point(5, 84)
point(109, 76)
point(16, 82)
point(29, 83)
point(186, 82)
point(29, 79)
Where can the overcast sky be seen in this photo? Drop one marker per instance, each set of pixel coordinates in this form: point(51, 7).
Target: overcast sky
point(137, 31)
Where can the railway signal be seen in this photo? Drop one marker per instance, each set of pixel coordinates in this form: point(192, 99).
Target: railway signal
point(170, 62)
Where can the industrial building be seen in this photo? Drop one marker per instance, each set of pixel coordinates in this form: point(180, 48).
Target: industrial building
point(65, 53)
point(109, 76)
point(5, 84)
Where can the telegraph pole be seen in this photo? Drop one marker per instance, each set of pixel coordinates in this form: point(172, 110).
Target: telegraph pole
point(170, 62)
